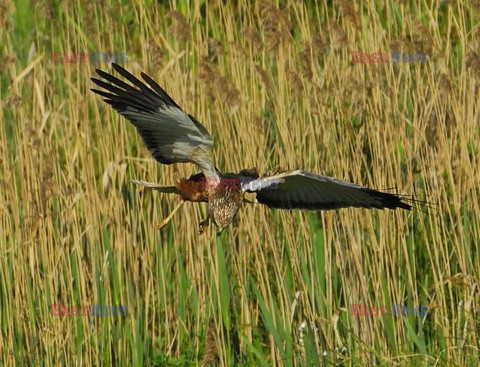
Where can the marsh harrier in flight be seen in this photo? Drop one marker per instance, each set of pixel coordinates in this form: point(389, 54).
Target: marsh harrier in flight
point(174, 136)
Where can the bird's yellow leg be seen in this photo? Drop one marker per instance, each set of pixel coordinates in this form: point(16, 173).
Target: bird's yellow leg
point(202, 227)
point(170, 216)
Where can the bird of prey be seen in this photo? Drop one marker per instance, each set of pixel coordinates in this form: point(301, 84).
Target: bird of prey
point(174, 136)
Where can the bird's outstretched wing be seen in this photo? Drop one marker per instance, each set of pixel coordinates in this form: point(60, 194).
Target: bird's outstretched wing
point(305, 190)
point(170, 134)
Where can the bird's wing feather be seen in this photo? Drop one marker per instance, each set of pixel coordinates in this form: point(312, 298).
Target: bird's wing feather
point(154, 186)
point(170, 134)
point(305, 190)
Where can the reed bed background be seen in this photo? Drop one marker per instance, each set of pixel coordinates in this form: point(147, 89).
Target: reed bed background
point(275, 84)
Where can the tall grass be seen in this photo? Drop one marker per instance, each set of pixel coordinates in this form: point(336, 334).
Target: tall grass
point(274, 84)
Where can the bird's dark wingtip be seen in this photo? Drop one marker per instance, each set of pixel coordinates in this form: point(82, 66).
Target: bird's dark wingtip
point(99, 92)
point(117, 67)
point(422, 205)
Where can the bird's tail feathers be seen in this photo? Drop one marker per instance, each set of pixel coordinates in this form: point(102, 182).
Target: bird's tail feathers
point(154, 186)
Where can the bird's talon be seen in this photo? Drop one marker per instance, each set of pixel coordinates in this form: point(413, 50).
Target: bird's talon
point(161, 225)
point(164, 222)
point(202, 227)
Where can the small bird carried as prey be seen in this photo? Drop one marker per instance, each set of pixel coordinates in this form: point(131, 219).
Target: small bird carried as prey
point(173, 136)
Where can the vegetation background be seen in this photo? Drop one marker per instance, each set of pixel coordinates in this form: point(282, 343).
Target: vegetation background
point(275, 84)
